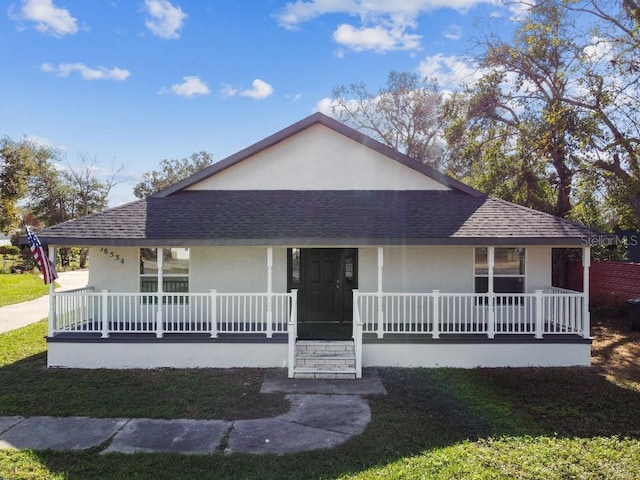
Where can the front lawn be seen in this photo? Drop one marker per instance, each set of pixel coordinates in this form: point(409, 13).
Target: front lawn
point(433, 423)
point(17, 288)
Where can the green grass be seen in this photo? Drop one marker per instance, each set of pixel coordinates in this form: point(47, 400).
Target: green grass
point(432, 424)
point(28, 388)
point(16, 288)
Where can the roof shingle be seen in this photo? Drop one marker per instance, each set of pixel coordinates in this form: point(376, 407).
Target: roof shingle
point(292, 217)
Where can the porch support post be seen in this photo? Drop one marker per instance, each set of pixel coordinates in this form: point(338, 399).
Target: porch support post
point(269, 292)
point(52, 296)
point(586, 316)
point(159, 320)
point(357, 332)
point(491, 327)
point(380, 306)
point(292, 331)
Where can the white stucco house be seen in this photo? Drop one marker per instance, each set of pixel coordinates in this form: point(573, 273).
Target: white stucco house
point(320, 250)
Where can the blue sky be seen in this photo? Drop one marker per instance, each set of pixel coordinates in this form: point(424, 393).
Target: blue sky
point(135, 81)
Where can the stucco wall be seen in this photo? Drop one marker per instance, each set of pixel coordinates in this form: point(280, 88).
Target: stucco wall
point(274, 355)
point(418, 269)
point(244, 269)
point(487, 354)
point(107, 272)
point(236, 269)
point(319, 158)
point(538, 268)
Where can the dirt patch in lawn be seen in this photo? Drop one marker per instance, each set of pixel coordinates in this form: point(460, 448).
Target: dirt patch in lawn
point(616, 349)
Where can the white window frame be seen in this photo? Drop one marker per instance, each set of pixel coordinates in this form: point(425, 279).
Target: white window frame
point(523, 275)
point(160, 276)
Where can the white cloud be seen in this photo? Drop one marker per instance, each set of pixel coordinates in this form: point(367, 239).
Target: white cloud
point(43, 142)
point(87, 73)
point(164, 20)
point(296, 97)
point(384, 23)
point(600, 48)
point(259, 91)
point(520, 10)
point(454, 32)
point(228, 91)
point(301, 11)
point(49, 18)
point(378, 39)
point(324, 106)
point(449, 70)
point(190, 87)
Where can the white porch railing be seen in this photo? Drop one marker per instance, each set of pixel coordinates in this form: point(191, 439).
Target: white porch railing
point(553, 311)
point(549, 312)
point(105, 312)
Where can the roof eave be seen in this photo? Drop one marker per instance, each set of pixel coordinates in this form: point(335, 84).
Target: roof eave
point(569, 242)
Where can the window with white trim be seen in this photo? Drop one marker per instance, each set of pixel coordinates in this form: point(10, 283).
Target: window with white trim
point(170, 264)
point(508, 270)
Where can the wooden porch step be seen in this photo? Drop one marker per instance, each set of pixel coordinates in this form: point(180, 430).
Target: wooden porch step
point(325, 359)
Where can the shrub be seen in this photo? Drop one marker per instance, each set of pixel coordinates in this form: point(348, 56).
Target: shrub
point(9, 250)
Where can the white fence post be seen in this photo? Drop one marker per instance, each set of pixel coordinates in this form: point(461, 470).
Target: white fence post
point(104, 321)
point(539, 312)
point(269, 331)
point(435, 332)
point(292, 330)
point(214, 313)
point(491, 318)
point(357, 332)
point(380, 315)
point(159, 317)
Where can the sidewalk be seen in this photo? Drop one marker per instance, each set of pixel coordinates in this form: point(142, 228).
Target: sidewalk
point(323, 414)
point(26, 313)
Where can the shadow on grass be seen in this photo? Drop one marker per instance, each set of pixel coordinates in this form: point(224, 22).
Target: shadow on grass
point(29, 388)
point(425, 410)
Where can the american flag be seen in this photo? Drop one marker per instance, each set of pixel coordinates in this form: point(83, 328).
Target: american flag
point(48, 270)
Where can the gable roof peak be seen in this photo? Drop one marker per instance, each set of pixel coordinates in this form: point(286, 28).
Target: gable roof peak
point(319, 118)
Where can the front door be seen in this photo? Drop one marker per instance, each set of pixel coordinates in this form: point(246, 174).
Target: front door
point(325, 278)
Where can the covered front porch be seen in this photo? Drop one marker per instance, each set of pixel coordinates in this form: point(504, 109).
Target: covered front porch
point(222, 329)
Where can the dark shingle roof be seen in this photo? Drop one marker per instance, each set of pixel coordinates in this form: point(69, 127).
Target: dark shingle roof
point(336, 217)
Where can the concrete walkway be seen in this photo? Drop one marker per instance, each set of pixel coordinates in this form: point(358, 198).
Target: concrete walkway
point(26, 313)
point(323, 414)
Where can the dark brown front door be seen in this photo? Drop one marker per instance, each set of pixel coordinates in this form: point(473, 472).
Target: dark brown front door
point(327, 277)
